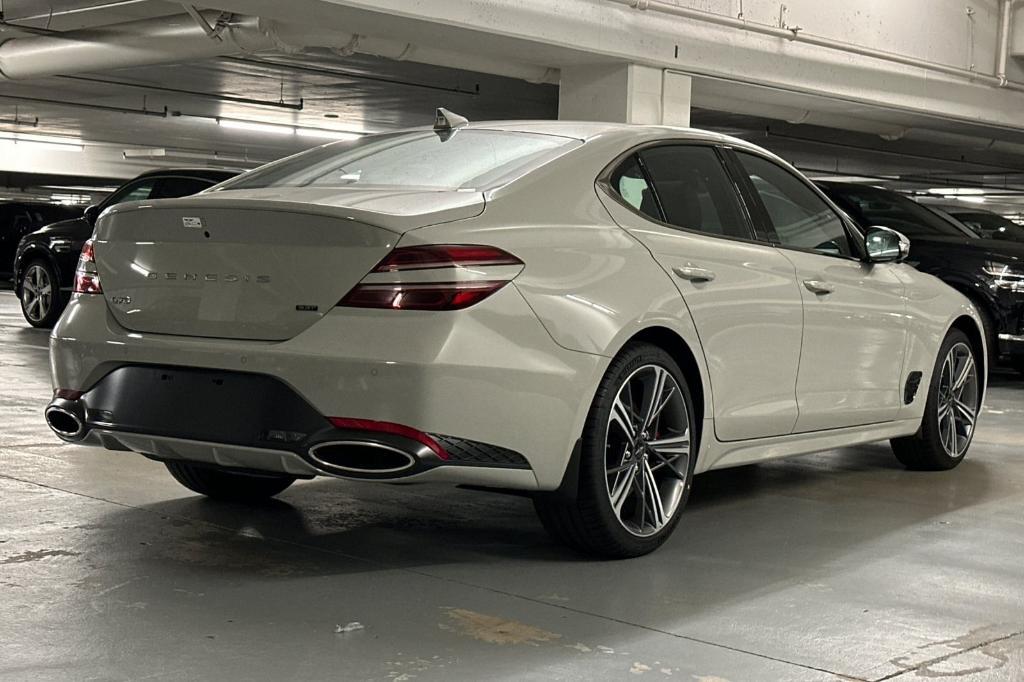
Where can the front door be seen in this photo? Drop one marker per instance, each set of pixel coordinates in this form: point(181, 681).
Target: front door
point(678, 200)
point(855, 324)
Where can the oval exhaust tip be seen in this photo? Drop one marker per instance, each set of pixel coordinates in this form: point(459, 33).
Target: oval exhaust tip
point(361, 457)
point(64, 423)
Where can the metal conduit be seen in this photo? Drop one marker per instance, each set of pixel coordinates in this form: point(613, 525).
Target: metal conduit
point(796, 34)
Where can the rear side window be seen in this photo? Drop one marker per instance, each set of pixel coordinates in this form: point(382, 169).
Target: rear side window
point(172, 188)
point(690, 189)
point(464, 159)
point(631, 184)
point(801, 219)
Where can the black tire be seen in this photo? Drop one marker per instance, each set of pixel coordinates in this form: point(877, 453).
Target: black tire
point(40, 311)
point(1018, 364)
point(589, 522)
point(924, 450)
point(227, 485)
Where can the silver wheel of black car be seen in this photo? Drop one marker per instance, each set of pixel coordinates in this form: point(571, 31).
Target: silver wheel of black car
point(647, 450)
point(40, 294)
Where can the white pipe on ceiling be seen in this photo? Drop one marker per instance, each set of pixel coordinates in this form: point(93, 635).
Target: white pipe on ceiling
point(180, 38)
point(797, 34)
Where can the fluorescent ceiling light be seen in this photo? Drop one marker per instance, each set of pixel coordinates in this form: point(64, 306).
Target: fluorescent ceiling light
point(270, 128)
point(956, 191)
point(327, 134)
point(970, 200)
point(81, 188)
point(52, 142)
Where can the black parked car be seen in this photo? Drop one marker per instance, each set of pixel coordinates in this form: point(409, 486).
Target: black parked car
point(17, 219)
point(44, 266)
point(986, 223)
point(990, 272)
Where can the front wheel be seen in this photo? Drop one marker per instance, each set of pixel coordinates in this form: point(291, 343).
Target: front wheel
point(951, 411)
point(636, 460)
point(227, 485)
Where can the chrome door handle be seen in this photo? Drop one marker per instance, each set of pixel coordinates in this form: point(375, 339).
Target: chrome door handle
point(818, 287)
point(693, 274)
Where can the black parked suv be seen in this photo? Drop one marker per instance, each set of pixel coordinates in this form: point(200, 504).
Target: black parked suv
point(990, 272)
point(986, 223)
point(17, 219)
point(44, 265)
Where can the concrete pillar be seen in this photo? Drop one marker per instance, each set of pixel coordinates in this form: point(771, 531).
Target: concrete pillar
point(624, 93)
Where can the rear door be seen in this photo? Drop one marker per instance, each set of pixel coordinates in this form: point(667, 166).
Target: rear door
point(678, 200)
point(855, 324)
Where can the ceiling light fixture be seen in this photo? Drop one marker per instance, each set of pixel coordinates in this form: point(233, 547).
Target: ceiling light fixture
point(52, 142)
point(956, 191)
point(327, 134)
point(270, 128)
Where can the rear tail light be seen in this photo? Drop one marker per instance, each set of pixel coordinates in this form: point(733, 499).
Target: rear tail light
point(444, 256)
point(407, 278)
point(87, 278)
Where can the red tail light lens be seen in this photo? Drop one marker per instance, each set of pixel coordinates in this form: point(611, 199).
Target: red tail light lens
point(444, 256)
point(389, 427)
point(432, 295)
point(87, 278)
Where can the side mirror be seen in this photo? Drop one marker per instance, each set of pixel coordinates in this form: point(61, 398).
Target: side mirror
point(92, 213)
point(885, 245)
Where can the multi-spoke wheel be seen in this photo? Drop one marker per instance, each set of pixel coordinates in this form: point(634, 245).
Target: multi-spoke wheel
point(40, 294)
point(636, 459)
point(647, 450)
point(951, 411)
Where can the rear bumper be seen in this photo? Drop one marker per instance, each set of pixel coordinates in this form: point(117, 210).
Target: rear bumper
point(487, 376)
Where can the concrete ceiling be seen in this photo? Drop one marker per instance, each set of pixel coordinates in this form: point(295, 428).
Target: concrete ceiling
point(168, 115)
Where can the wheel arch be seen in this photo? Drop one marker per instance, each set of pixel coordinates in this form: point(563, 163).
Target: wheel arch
point(972, 328)
point(674, 344)
point(30, 254)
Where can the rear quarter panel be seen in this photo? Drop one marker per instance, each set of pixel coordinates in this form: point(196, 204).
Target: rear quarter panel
point(591, 284)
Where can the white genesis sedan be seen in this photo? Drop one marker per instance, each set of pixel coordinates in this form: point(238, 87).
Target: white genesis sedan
point(587, 313)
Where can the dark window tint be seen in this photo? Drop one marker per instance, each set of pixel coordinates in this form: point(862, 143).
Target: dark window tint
point(138, 190)
point(631, 184)
point(172, 188)
point(694, 190)
point(871, 206)
point(800, 218)
point(991, 225)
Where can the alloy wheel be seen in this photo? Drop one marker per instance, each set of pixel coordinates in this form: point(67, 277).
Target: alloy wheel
point(959, 396)
point(647, 450)
point(37, 293)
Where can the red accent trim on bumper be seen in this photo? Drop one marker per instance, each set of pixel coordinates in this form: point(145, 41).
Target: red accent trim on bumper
point(389, 427)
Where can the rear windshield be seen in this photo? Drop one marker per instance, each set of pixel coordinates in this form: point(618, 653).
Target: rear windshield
point(463, 159)
point(872, 206)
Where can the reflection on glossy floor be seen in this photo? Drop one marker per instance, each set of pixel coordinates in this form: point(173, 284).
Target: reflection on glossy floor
point(833, 566)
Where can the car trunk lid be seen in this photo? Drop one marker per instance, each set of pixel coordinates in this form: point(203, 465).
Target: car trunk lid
point(239, 267)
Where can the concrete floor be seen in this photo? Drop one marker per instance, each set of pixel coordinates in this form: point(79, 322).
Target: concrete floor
point(834, 566)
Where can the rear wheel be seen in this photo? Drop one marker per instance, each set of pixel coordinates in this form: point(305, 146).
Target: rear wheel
point(227, 485)
point(40, 294)
point(951, 411)
point(636, 460)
